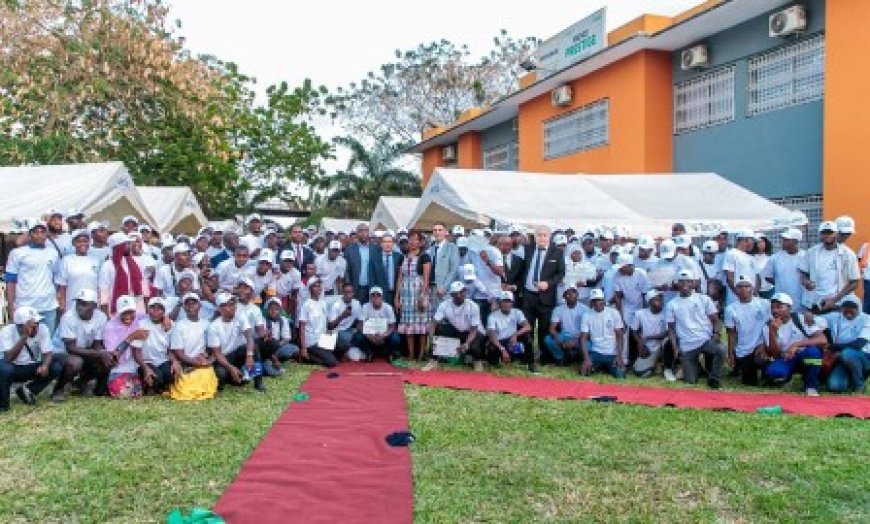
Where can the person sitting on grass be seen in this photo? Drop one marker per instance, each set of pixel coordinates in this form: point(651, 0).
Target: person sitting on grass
point(693, 329)
point(121, 331)
point(230, 341)
point(183, 285)
point(744, 322)
point(157, 365)
point(245, 291)
point(508, 331)
point(312, 325)
point(563, 342)
point(850, 333)
point(385, 343)
point(80, 334)
point(650, 332)
point(343, 316)
point(187, 342)
point(278, 342)
point(26, 357)
point(601, 335)
point(792, 344)
point(458, 318)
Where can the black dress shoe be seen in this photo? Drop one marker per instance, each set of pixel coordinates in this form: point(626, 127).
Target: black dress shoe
point(534, 368)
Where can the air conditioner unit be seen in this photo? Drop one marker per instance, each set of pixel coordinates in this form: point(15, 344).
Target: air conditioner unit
point(448, 153)
point(788, 21)
point(695, 57)
point(561, 96)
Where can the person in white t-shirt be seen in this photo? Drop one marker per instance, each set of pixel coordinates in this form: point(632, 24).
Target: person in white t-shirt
point(712, 277)
point(188, 338)
point(850, 332)
point(382, 342)
point(263, 276)
point(739, 262)
point(601, 335)
point(230, 341)
point(745, 321)
point(277, 343)
point(792, 345)
point(458, 318)
point(312, 325)
point(563, 341)
point(167, 276)
point(288, 282)
point(783, 268)
point(331, 269)
point(693, 329)
point(30, 272)
point(26, 357)
point(79, 342)
point(231, 270)
point(629, 285)
point(650, 332)
point(76, 271)
point(343, 315)
point(829, 271)
point(508, 331)
point(646, 257)
point(157, 365)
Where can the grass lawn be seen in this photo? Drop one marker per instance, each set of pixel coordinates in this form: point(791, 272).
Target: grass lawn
point(478, 458)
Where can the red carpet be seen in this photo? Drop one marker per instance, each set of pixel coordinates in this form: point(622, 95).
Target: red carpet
point(326, 460)
point(825, 406)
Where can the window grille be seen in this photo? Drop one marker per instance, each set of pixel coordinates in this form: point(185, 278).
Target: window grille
point(787, 76)
point(579, 130)
point(704, 101)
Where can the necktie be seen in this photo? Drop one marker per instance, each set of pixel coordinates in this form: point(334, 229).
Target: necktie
point(507, 262)
point(299, 254)
point(434, 260)
point(538, 258)
point(389, 273)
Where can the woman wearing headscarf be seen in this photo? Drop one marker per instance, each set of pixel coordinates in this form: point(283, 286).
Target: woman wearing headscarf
point(122, 276)
point(118, 337)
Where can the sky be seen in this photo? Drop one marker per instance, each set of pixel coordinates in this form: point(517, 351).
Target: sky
point(337, 42)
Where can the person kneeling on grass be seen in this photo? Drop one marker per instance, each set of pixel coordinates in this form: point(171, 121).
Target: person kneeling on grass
point(507, 329)
point(157, 366)
point(601, 334)
point(384, 343)
point(80, 333)
point(343, 316)
point(693, 329)
point(278, 341)
point(563, 342)
point(650, 332)
point(312, 325)
point(792, 344)
point(118, 336)
point(197, 380)
point(850, 333)
point(230, 341)
point(246, 307)
point(745, 320)
point(458, 318)
point(26, 357)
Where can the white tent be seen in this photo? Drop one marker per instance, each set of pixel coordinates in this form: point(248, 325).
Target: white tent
point(340, 225)
point(642, 203)
point(102, 191)
point(393, 212)
point(176, 209)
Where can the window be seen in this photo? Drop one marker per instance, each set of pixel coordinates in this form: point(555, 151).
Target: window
point(579, 130)
point(811, 206)
point(788, 76)
point(502, 157)
point(704, 101)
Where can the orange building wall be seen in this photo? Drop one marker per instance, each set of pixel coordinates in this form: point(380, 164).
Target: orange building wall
point(431, 160)
point(846, 184)
point(469, 154)
point(639, 89)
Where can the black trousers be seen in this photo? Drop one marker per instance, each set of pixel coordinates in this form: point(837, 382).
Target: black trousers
point(748, 369)
point(237, 358)
point(538, 316)
point(10, 373)
point(493, 355)
point(321, 356)
point(475, 346)
point(485, 310)
point(162, 376)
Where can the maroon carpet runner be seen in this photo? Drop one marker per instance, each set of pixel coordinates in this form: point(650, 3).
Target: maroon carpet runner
point(326, 460)
point(824, 406)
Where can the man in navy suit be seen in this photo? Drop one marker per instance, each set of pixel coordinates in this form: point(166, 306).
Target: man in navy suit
point(304, 254)
point(385, 267)
point(358, 256)
point(543, 269)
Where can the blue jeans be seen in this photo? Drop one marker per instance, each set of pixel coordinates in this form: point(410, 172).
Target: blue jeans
point(286, 352)
point(808, 361)
point(556, 351)
point(851, 368)
point(606, 363)
point(389, 349)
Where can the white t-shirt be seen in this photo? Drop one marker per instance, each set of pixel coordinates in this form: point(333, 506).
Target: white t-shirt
point(39, 345)
point(749, 319)
point(166, 280)
point(72, 327)
point(227, 336)
point(601, 327)
point(77, 273)
point(279, 328)
point(189, 337)
point(338, 307)
point(826, 277)
point(328, 271)
point(784, 270)
point(761, 260)
point(35, 269)
point(789, 333)
point(253, 242)
point(691, 318)
point(632, 288)
point(844, 331)
point(102, 254)
point(313, 314)
point(228, 274)
point(462, 317)
point(645, 264)
point(505, 325)
point(650, 324)
point(741, 264)
point(262, 282)
point(253, 314)
point(155, 348)
point(288, 282)
point(385, 311)
point(569, 318)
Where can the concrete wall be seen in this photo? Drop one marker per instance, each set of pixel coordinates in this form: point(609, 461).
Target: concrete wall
point(499, 135)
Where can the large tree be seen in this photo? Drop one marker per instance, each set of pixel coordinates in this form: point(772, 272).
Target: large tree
point(429, 86)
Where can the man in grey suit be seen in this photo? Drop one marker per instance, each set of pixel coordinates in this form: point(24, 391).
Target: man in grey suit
point(359, 255)
point(445, 261)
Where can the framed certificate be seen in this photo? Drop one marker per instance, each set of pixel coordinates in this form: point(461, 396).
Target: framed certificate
point(445, 346)
point(375, 326)
point(327, 341)
point(662, 275)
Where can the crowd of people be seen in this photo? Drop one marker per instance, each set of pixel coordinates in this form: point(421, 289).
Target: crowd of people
point(131, 313)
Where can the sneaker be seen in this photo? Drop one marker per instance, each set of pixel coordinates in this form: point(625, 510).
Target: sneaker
point(534, 368)
point(478, 366)
point(669, 375)
point(25, 395)
point(812, 392)
point(58, 397)
point(714, 383)
point(679, 375)
point(431, 365)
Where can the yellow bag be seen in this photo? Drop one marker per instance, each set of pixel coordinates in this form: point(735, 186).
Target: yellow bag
point(197, 384)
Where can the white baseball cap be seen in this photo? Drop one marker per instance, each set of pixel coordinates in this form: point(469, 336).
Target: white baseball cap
point(313, 281)
point(506, 295)
point(792, 234)
point(456, 287)
point(190, 296)
point(710, 246)
point(560, 239)
point(568, 288)
point(224, 298)
point(125, 303)
point(287, 254)
point(24, 314)
point(782, 298)
point(828, 226)
point(273, 300)
point(743, 280)
point(55, 212)
point(37, 223)
point(596, 294)
point(335, 244)
point(646, 242)
point(468, 272)
point(80, 233)
point(157, 301)
point(130, 218)
point(180, 248)
point(458, 230)
point(266, 255)
point(87, 295)
point(623, 260)
point(247, 281)
point(74, 212)
point(845, 224)
point(745, 233)
point(252, 217)
point(186, 273)
point(652, 293)
point(376, 290)
point(270, 231)
point(96, 226)
point(683, 241)
point(116, 239)
point(852, 299)
point(685, 274)
point(462, 242)
point(144, 227)
point(606, 235)
point(667, 249)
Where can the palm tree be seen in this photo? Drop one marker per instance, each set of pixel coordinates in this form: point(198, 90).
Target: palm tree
point(370, 174)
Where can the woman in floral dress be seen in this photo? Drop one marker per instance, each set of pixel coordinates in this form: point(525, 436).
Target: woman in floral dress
point(412, 301)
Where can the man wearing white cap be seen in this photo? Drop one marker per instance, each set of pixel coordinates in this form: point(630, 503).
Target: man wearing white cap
point(712, 277)
point(167, 276)
point(80, 336)
point(343, 315)
point(30, 271)
point(255, 239)
point(739, 262)
point(845, 228)
point(76, 271)
point(263, 275)
point(563, 340)
point(663, 275)
point(601, 338)
point(99, 248)
point(792, 344)
point(783, 268)
point(157, 365)
point(384, 340)
point(646, 257)
point(507, 330)
point(519, 240)
point(312, 325)
point(129, 224)
point(230, 341)
point(215, 243)
point(629, 285)
point(829, 271)
point(693, 329)
point(232, 270)
point(650, 333)
point(745, 321)
point(26, 350)
point(850, 334)
point(458, 318)
point(288, 281)
point(331, 269)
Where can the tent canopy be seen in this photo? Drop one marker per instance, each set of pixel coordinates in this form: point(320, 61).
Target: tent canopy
point(340, 225)
point(176, 209)
point(393, 212)
point(642, 203)
point(102, 191)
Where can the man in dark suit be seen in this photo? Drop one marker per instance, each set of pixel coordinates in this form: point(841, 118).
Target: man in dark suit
point(304, 254)
point(543, 269)
point(385, 267)
point(512, 280)
point(358, 256)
